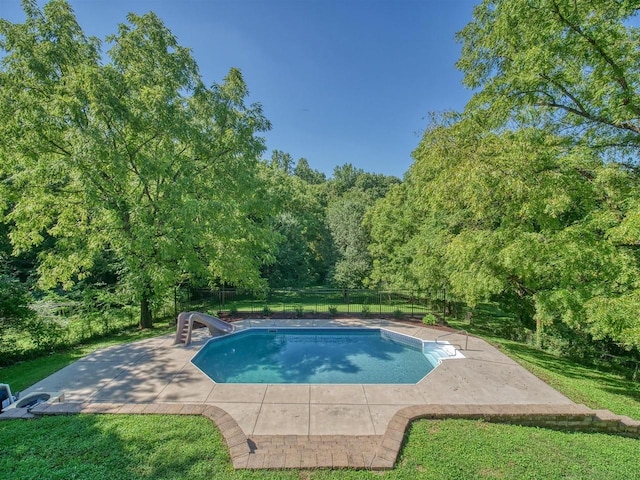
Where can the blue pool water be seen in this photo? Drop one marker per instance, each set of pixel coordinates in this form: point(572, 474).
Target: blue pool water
point(315, 356)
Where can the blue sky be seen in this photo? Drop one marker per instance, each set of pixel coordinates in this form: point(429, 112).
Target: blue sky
point(342, 81)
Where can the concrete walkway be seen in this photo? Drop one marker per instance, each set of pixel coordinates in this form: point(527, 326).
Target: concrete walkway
point(276, 426)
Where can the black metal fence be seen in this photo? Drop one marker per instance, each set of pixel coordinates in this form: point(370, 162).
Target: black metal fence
point(313, 301)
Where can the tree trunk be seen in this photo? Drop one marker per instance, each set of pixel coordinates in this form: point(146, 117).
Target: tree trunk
point(146, 319)
point(539, 328)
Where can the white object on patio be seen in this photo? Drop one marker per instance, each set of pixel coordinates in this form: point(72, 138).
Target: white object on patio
point(186, 320)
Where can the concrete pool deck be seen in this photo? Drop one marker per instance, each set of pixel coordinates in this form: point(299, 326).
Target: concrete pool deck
point(282, 426)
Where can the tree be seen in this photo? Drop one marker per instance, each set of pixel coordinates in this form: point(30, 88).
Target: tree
point(570, 68)
point(522, 217)
point(392, 225)
point(344, 218)
point(303, 246)
point(14, 302)
point(308, 174)
point(134, 156)
point(351, 192)
point(282, 161)
point(570, 64)
point(344, 178)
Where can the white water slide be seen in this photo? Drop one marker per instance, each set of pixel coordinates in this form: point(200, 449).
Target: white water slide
point(186, 320)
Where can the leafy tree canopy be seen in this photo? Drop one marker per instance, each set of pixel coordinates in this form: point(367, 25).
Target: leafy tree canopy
point(128, 152)
point(571, 64)
point(520, 216)
point(308, 174)
point(298, 224)
point(569, 68)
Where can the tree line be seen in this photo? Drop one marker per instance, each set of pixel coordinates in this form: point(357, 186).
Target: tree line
point(530, 196)
point(121, 169)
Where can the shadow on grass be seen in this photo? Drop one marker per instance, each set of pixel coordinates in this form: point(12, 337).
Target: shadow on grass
point(118, 446)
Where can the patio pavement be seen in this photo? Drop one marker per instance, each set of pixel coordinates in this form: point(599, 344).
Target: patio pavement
point(282, 422)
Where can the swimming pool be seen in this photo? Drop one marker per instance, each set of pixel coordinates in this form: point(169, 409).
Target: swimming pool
point(319, 356)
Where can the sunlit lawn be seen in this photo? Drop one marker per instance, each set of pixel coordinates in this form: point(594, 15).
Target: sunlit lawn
point(172, 447)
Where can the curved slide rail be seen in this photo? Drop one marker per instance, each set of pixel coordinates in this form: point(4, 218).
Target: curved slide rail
point(185, 325)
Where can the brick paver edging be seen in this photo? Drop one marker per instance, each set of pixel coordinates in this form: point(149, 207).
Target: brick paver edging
point(376, 452)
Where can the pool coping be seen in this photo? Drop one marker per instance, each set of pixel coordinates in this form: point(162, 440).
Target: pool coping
point(485, 385)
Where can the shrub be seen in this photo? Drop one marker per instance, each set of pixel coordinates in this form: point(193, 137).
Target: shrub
point(333, 310)
point(14, 302)
point(429, 319)
point(299, 309)
point(233, 310)
point(45, 333)
point(397, 313)
point(365, 310)
point(266, 311)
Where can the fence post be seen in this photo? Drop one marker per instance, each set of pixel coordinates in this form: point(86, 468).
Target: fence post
point(444, 304)
point(348, 301)
point(412, 302)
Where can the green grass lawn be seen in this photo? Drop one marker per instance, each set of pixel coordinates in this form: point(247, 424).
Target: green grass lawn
point(179, 447)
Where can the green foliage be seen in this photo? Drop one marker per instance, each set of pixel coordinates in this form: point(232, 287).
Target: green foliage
point(344, 217)
point(429, 319)
point(46, 333)
point(351, 193)
point(568, 64)
point(266, 311)
point(517, 216)
point(309, 175)
point(303, 243)
point(530, 197)
point(57, 324)
point(23, 374)
point(15, 299)
point(299, 309)
point(333, 310)
point(190, 447)
point(128, 152)
point(391, 224)
point(15, 313)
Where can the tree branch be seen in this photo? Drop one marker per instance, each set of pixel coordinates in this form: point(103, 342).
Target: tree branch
point(619, 76)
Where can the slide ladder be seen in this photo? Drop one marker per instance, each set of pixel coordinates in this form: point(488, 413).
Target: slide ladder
point(184, 326)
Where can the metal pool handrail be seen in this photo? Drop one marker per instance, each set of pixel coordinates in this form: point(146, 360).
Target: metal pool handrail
point(466, 342)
